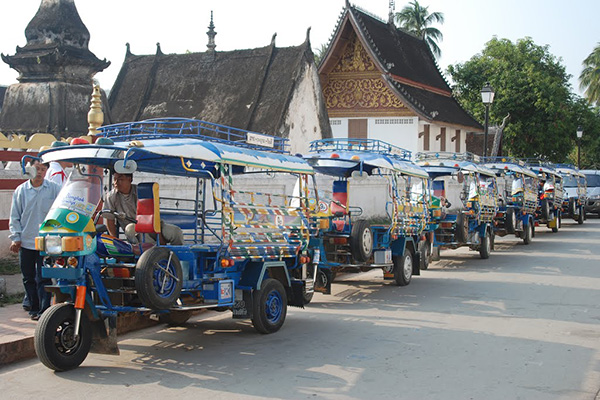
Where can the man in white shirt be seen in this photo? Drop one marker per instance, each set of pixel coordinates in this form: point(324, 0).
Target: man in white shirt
point(31, 202)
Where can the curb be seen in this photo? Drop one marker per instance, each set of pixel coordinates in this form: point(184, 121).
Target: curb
point(23, 349)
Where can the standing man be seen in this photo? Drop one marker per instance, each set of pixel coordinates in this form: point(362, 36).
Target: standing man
point(123, 198)
point(31, 202)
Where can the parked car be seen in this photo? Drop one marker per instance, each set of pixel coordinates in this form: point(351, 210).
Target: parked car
point(593, 191)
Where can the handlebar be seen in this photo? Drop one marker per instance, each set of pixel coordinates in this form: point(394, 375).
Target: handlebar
point(116, 214)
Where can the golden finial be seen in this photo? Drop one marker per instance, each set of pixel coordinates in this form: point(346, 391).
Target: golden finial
point(95, 115)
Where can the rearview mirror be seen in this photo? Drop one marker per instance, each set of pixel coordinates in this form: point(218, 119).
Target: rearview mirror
point(29, 172)
point(122, 168)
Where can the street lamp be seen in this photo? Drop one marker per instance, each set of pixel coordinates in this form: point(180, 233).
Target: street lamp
point(579, 136)
point(487, 97)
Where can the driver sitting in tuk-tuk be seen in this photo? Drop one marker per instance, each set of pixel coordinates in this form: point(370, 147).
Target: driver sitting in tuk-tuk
point(123, 199)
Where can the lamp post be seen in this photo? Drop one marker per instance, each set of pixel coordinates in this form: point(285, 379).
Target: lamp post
point(487, 97)
point(579, 136)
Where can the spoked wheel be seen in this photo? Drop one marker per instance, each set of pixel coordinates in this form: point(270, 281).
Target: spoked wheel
point(361, 241)
point(269, 306)
point(403, 268)
point(55, 343)
point(485, 248)
point(158, 278)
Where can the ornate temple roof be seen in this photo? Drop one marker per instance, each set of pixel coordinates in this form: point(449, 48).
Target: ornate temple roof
point(248, 89)
point(406, 64)
point(57, 47)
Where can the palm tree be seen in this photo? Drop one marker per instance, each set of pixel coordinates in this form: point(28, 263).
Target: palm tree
point(589, 80)
point(415, 19)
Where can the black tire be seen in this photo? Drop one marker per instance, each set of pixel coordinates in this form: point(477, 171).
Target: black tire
point(581, 216)
point(528, 232)
point(485, 247)
point(403, 268)
point(510, 220)
point(462, 228)
point(425, 250)
point(308, 297)
point(54, 340)
point(157, 282)
point(545, 206)
point(361, 241)
point(269, 306)
point(557, 224)
point(175, 318)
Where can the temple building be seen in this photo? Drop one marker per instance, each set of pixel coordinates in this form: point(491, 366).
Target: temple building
point(272, 90)
point(56, 71)
point(380, 82)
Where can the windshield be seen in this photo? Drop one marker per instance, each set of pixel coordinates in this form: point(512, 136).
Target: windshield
point(517, 186)
point(593, 180)
point(82, 192)
point(569, 181)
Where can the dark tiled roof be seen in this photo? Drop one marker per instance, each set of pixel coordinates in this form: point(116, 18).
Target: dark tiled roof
point(407, 56)
point(410, 68)
point(247, 89)
point(437, 107)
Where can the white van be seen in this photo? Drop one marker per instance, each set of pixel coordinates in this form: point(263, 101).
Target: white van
point(593, 190)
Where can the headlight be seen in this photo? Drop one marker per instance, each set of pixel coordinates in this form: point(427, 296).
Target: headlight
point(53, 244)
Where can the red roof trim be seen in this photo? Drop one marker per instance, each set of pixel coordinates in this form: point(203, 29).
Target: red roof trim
point(421, 86)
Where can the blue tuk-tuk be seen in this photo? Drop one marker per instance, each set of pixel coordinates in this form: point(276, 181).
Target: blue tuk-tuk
point(468, 194)
point(244, 250)
point(352, 243)
point(517, 190)
point(550, 194)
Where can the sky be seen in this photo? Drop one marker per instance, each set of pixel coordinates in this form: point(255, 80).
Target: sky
point(570, 29)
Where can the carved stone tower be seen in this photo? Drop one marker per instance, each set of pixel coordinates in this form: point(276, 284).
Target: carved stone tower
point(56, 71)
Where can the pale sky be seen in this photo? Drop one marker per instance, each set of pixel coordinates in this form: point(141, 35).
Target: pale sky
point(570, 29)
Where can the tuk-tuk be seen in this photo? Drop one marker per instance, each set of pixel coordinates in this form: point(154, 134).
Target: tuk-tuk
point(575, 192)
point(550, 195)
point(244, 251)
point(517, 202)
point(468, 195)
point(351, 243)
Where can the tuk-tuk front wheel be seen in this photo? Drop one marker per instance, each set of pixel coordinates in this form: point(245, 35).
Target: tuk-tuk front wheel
point(403, 268)
point(485, 248)
point(269, 306)
point(54, 340)
point(528, 233)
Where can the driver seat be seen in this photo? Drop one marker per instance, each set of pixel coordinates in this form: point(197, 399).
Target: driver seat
point(148, 210)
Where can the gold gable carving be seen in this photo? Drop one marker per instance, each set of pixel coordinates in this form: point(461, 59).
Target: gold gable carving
point(355, 88)
point(355, 59)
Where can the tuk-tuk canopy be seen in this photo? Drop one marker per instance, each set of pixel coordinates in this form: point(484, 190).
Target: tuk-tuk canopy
point(342, 157)
point(181, 155)
point(503, 164)
point(446, 163)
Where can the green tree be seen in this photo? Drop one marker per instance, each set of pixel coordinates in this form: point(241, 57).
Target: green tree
point(589, 80)
point(417, 20)
point(531, 85)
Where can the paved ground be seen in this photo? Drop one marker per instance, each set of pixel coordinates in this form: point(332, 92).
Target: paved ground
point(524, 324)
